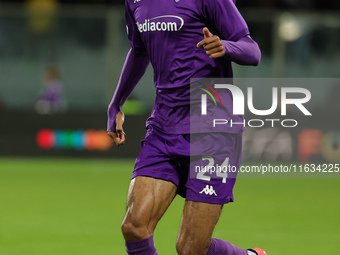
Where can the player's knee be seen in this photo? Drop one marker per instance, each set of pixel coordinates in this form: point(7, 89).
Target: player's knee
point(188, 246)
point(134, 230)
point(180, 247)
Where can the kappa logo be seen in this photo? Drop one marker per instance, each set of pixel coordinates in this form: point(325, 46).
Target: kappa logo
point(209, 190)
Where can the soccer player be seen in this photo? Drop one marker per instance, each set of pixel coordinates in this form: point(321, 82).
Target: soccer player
point(182, 39)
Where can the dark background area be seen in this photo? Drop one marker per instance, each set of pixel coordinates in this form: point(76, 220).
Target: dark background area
point(280, 4)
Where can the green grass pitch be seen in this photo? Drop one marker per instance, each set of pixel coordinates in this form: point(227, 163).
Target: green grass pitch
point(75, 206)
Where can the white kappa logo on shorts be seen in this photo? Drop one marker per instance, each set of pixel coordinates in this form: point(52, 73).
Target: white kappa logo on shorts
point(209, 190)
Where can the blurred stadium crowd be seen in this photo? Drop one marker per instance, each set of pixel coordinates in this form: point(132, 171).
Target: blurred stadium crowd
point(281, 4)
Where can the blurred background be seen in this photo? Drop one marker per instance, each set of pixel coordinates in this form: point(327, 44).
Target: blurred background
point(60, 62)
point(62, 183)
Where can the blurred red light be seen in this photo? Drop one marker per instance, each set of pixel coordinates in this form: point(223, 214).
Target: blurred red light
point(45, 139)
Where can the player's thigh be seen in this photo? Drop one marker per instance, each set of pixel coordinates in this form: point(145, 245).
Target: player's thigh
point(148, 199)
point(197, 226)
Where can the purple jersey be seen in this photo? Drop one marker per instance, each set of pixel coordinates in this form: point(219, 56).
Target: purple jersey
point(170, 30)
point(167, 33)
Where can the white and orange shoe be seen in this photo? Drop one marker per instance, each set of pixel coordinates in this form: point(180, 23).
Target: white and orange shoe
point(258, 251)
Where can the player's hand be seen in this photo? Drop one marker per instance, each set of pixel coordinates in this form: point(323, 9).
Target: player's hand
point(119, 136)
point(212, 44)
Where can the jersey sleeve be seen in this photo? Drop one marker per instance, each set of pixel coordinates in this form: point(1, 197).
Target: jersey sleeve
point(134, 37)
point(225, 19)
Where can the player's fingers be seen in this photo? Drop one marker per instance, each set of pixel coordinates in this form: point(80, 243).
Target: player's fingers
point(214, 44)
point(111, 135)
point(206, 32)
point(121, 134)
point(201, 43)
point(123, 138)
point(217, 55)
point(207, 41)
point(117, 141)
point(210, 40)
point(219, 49)
point(120, 138)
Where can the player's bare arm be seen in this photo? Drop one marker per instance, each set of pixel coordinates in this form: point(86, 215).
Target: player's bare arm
point(119, 136)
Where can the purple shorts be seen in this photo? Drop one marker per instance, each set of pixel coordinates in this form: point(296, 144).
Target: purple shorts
point(203, 166)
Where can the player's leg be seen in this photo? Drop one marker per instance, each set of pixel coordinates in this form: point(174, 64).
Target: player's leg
point(195, 235)
point(148, 199)
point(197, 225)
point(152, 189)
point(207, 191)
